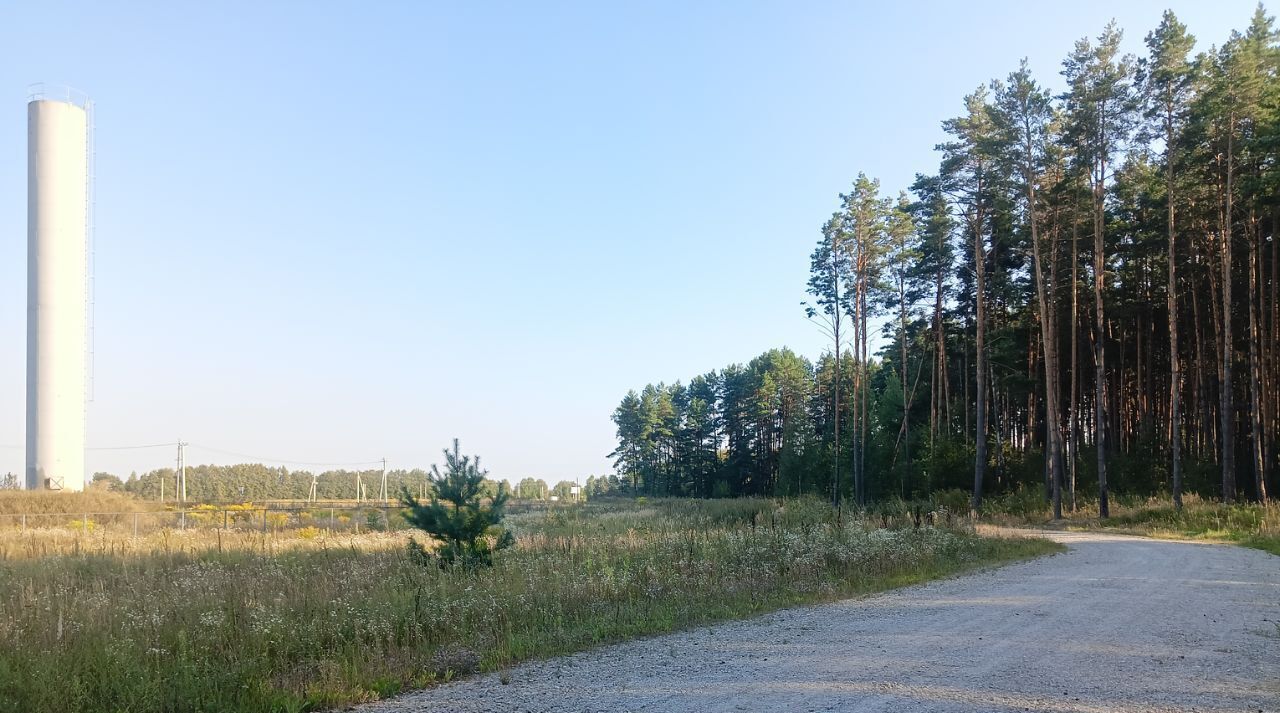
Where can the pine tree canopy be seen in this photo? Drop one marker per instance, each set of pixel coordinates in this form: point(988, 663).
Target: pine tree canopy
point(467, 531)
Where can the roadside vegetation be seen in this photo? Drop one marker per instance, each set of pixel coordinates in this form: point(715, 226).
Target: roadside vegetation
point(1250, 525)
point(1247, 524)
point(258, 625)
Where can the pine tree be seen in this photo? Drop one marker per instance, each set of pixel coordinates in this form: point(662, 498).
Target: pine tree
point(965, 177)
point(1167, 81)
point(829, 268)
point(1023, 113)
point(1100, 110)
point(468, 530)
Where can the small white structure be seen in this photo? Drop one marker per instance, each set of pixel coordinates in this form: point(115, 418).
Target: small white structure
point(57, 212)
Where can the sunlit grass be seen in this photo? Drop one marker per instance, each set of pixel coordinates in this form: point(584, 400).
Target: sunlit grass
point(1248, 524)
point(290, 622)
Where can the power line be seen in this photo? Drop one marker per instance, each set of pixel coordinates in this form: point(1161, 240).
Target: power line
point(132, 448)
point(220, 451)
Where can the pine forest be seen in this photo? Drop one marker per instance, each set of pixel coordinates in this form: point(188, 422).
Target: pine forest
point(1081, 299)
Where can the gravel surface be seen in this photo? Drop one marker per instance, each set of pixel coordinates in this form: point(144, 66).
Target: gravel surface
point(1117, 624)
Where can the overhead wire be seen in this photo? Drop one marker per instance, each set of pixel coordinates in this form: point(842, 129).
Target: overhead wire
point(132, 448)
point(219, 451)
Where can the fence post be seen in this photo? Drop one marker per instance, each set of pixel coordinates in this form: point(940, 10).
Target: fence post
point(330, 519)
point(264, 520)
point(224, 520)
point(135, 524)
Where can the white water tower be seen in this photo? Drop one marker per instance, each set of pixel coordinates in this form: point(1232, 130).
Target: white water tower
point(57, 286)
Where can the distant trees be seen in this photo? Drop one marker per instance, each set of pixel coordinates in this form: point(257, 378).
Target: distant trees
point(564, 490)
point(106, 481)
point(1149, 187)
point(532, 489)
point(747, 429)
point(604, 485)
point(255, 482)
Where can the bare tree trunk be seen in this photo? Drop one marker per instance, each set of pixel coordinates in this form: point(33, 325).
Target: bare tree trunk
point(1202, 381)
point(935, 386)
point(964, 382)
point(906, 410)
point(1227, 409)
point(1099, 344)
point(835, 486)
point(1075, 357)
point(940, 357)
point(1048, 339)
point(1272, 392)
point(980, 339)
point(866, 376)
point(1175, 372)
point(1272, 337)
point(858, 380)
point(1255, 371)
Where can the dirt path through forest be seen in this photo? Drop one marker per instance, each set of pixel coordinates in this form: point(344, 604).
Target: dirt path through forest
point(1117, 623)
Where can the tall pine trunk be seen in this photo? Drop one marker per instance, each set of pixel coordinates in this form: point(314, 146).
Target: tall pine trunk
point(1175, 372)
point(1255, 372)
point(1099, 343)
point(1048, 341)
point(835, 487)
point(866, 377)
point(980, 346)
point(1074, 411)
point(1227, 408)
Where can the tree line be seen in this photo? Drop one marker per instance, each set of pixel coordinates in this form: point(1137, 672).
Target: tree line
point(1082, 299)
point(255, 482)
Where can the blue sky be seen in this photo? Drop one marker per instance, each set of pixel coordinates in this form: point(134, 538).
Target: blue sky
point(338, 232)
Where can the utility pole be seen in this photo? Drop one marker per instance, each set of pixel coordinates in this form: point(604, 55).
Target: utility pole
point(383, 491)
point(311, 497)
point(182, 481)
point(182, 473)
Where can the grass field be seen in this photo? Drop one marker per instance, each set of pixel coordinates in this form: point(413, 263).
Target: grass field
point(1244, 524)
point(1247, 524)
point(304, 620)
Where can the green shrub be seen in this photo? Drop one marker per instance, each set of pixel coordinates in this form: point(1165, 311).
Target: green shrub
point(953, 500)
point(466, 530)
point(1024, 502)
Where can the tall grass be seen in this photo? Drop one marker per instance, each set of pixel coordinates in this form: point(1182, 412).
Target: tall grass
point(352, 618)
point(1248, 524)
point(54, 502)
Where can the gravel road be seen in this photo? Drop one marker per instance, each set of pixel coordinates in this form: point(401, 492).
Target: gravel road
point(1116, 624)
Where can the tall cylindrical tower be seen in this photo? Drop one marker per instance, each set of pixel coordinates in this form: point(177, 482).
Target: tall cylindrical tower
point(57, 192)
